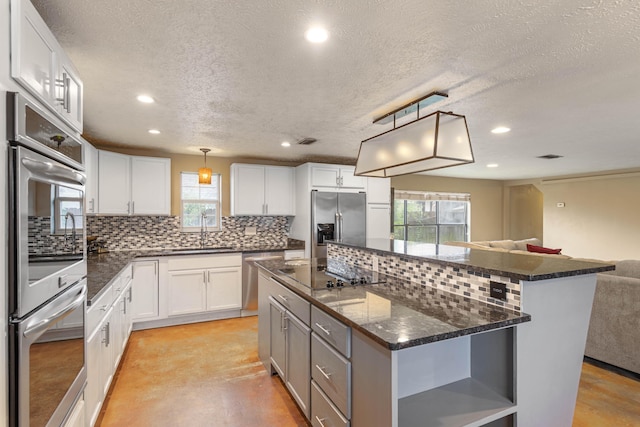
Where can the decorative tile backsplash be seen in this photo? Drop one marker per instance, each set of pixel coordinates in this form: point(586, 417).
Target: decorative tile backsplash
point(42, 240)
point(157, 232)
point(418, 275)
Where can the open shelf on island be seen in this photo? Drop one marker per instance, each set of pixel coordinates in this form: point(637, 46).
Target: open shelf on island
point(467, 402)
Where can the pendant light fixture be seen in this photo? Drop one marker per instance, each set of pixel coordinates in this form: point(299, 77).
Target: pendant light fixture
point(435, 141)
point(204, 173)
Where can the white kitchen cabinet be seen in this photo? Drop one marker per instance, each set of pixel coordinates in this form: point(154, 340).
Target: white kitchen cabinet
point(108, 329)
point(133, 185)
point(336, 178)
point(204, 284)
point(144, 290)
point(90, 157)
point(114, 183)
point(77, 417)
point(223, 292)
point(379, 190)
point(262, 190)
point(40, 65)
point(187, 292)
point(378, 221)
point(150, 186)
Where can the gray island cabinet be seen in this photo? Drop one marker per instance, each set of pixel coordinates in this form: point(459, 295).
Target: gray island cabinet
point(380, 358)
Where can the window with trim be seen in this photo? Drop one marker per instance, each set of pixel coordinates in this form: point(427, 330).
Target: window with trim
point(200, 203)
point(67, 201)
point(427, 217)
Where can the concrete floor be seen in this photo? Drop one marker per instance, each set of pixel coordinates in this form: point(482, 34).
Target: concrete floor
point(208, 374)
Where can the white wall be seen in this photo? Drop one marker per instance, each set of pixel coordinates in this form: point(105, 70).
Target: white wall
point(601, 217)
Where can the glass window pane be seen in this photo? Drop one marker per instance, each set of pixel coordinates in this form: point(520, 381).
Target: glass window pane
point(421, 212)
point(189, 179)
point(452, 233)
point(73, 207)
point(398, 232)
point(423, 234)
point(69, 192)
point(453, 212)
point(398, 212)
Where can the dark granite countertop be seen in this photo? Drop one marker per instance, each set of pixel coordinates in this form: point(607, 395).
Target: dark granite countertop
point(394, 317)
point(104, 267)
point(515, 266)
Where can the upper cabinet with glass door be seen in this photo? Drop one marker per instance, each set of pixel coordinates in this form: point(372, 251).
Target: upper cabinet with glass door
point(40, 65)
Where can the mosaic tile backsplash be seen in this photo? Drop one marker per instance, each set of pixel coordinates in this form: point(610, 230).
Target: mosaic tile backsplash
point(42, 241)
point(418, 276)
point(158, 232)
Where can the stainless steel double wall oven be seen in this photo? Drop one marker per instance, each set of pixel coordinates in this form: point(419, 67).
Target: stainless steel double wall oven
point(47, 266)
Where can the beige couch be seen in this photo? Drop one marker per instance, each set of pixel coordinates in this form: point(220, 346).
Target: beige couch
point(512, 246)
point(614, 329)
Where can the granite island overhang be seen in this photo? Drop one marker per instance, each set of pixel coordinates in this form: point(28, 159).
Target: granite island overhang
point(557, 293)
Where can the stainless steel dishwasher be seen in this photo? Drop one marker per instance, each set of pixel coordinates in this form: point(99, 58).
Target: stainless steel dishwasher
point(250, 279)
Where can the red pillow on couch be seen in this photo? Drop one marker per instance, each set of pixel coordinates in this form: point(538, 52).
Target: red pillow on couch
point(542, 250)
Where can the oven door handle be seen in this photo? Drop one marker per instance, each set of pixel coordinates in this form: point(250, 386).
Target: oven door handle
point(38, 324)
point(53, 172)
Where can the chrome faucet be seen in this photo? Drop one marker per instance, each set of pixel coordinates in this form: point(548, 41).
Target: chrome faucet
point(73, 231)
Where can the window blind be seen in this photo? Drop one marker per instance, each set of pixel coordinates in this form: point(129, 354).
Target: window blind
point(427, 195)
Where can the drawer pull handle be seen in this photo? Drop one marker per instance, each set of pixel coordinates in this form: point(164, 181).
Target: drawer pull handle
point(283, 298)
point(323, 329)
point(320, 420)
point(326, 375)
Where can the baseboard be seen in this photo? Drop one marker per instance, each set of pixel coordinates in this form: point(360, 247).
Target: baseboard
point(612, 368)
point(185, 319)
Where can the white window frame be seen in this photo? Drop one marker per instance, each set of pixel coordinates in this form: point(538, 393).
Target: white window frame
point(58, 226)
point(217, 202)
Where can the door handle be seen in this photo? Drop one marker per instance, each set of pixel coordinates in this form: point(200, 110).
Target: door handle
point(322, 371)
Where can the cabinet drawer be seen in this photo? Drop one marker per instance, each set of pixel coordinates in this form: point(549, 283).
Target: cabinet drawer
point(332, 372)
point(323, 412)
point(292, 302)
point(99, 307)
point(332, 331)
point(186, 262)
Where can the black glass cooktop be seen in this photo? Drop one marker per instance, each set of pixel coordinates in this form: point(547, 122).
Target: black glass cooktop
point(315, 274)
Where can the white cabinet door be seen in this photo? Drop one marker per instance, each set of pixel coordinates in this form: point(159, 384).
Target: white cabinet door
point(150, 186)
point(224, 288)
point(349, 180)
point(33, 51)
point(186, 292)
point(279, 190)
point(116, 331)
point(378, 221)
point(379, 190)
point(92, 392)
point(325, 176)
point(247, 190)
point(114, 183)
point(91, 186)
point(144, 290)
point(69, 92)
point(77, 417)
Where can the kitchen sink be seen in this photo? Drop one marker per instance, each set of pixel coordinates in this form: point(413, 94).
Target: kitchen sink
point(201, 250)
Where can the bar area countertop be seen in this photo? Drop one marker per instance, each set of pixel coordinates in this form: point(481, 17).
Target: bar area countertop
point(514, 266)
point(387, 312)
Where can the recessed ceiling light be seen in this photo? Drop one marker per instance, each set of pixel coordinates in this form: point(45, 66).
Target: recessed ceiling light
point(316, 35)
point(154, 131)
point(492, 165)
point(146, 99)
point(500, 129)
point(286, 144)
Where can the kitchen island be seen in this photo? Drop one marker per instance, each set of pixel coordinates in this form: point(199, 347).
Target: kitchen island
point(425, 350)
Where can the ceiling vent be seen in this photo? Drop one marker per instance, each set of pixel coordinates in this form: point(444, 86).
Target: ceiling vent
point(549, 156)
point(307, 141)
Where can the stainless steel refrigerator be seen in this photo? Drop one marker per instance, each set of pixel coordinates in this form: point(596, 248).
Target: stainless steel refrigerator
point(337, 216)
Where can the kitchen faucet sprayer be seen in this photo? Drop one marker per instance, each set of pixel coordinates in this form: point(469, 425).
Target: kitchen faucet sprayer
point(73, 230)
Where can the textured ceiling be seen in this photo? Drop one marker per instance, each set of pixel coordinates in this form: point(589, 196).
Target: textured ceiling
point(238, 76)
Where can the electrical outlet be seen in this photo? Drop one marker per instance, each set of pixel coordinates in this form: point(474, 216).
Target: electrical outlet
point(250, 231)
point(498, 290)
point(374, 263)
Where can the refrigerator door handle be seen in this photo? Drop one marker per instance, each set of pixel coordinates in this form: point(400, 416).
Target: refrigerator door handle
point(338, 230)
